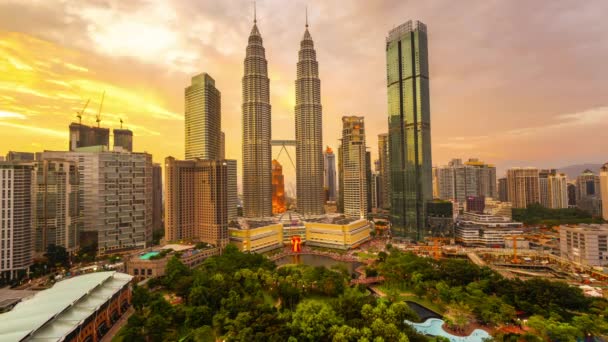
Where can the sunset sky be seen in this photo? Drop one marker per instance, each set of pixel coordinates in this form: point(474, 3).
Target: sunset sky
point(515, 83)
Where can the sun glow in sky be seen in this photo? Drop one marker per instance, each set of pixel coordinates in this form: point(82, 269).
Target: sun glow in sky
point(512, 83)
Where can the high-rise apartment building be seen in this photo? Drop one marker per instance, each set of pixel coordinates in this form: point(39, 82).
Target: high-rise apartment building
point(222, 154)
point(233, 197)
point(123, 139)
point(114, 195)
point(543, 184)
point(503, 190)
point(409, 128)
point(203, 122)
point(88, 136)
point(278, 188)
point(523, 186)
point(486, 177)
point(257, 157)
point(354, 173)
point(157, 198)
point(588, 195)
point(384, 172)
point(557, 189)
point(329, 177)
point(368, 178)
point(309, 126)
point(587, 184)
point(196, 204)
point(571, 195)
point(56, 215)
point(16, 204)
point(340, 202)
point(604, 190)
point(457, 181)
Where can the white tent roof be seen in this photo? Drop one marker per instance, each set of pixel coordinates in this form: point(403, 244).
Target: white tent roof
point(53, 313)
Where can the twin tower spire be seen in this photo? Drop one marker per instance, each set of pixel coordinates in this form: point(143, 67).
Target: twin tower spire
point(257, 132)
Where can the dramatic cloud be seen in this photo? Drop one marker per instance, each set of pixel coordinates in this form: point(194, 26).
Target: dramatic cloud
point(511, 82)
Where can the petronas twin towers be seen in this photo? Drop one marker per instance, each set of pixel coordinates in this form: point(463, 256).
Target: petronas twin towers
point(257, 132)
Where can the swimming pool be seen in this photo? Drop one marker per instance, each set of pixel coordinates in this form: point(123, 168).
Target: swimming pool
point(148, 255)
point(434, 327)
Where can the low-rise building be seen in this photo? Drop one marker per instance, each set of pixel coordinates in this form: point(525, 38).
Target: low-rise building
point(152, 263)
point(486, 230)
point(585, 244)
point(498, 208)
point(337, 232)
point(81, 308)
point(256, 235)
point(293, 225)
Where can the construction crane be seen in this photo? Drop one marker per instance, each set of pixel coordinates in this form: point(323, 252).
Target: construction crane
point(515, 259)
point(80, 113)
point(434, 248)
point(98, 117)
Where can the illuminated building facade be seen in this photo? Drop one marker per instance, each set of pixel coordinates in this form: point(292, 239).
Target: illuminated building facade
point(278, 188)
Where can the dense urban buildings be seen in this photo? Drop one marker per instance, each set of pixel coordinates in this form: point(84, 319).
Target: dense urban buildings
point(353, 163)
point(153, 262)
point(203, 121)
point(257, 235)
point(604, 190)
point(257, 159)
point(457, 181)
point(368, 179)
point(409, 126)
point(309, 137)
point(157, 198)
point(383, 172)
point(585, 244)
point(329, 177)
point(543, 185)
point(16, 206)
point(57, 212)
point(278, 188)
point(196, 202)
point(115, 197)
point(571, 195)
point(523, 186)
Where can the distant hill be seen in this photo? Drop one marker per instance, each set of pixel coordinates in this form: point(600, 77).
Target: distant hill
point(574, 171)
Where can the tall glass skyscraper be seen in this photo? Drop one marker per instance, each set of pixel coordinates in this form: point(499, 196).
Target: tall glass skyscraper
point(309, 139)
point(203, 121)
point(257, 158)
point(409, 129)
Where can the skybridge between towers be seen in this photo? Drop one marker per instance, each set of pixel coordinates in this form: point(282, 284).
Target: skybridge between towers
point(283, 144)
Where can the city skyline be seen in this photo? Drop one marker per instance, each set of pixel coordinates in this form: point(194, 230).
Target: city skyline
point(145, 76)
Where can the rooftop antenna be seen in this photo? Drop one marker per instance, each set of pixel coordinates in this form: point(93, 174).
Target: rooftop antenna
point(306, 16)
point(120, 123)
point(98, 118)
point(79, 114)
point(255, 18)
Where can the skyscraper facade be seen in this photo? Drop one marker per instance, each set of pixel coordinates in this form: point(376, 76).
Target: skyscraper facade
point(457, 181)
point(503, 190)
point(604, 190)
point(278, 188)
point(88, 136)
point(16, 204)
point(557, 188)
point(329, 177)
point(257, 158)
point(486, 177)
point(123, 139)
point(383, 172)
point(588, 195)
point(157, 198)
point(543, 184)
point(196, 205)
point(353, 163)
point(57, 214)
point(409, 128)
point(523, 187)
point(203, 120)
point(309, 137)
point(115, 197)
